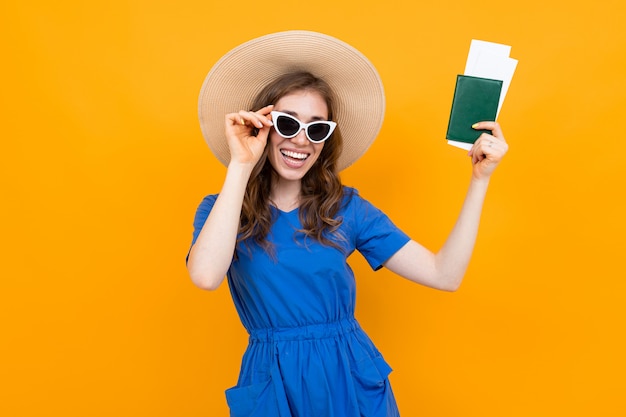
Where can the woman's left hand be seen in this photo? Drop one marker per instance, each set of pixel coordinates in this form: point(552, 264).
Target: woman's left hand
point(488, 150)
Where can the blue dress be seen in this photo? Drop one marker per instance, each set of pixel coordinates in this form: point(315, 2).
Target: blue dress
point(307, 355)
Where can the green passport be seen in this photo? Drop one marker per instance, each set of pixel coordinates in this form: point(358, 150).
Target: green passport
point(475, 100)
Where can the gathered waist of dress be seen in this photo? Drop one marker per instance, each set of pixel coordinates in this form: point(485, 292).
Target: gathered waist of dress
point(311, 331)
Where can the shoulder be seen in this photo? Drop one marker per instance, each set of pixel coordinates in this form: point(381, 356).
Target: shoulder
point(357, 212)
point(353, 201)
point(205, 206)
point(202, 213)
point(350, 196)
point(208, 201)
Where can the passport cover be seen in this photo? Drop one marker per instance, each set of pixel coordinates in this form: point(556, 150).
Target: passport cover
point(475, 100)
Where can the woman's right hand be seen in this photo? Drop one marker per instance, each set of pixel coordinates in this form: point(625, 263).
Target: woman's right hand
point(245, 148)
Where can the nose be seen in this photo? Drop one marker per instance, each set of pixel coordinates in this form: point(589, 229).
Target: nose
point(300, 138)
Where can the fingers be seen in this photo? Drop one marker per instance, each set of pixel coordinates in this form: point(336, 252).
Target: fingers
point(494, 127)
point(491, 147)
point(257, 119)
point(247, 133)
point(495, 139)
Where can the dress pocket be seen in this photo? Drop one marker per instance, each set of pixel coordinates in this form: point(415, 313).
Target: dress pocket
point(256, 400)
point(371, 373)
point(373, 392)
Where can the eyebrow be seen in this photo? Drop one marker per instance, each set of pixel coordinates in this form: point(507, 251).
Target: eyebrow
point(295, 114)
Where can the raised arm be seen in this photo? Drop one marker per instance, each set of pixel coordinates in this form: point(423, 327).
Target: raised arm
point(445, 269)
point(212, 253)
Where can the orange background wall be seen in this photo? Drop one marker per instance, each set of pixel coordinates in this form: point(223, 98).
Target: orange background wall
point(102, 165)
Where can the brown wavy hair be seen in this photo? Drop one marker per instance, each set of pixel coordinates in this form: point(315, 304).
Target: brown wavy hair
point(321, 191)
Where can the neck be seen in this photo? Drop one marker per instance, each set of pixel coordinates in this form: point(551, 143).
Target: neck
point(285, 195)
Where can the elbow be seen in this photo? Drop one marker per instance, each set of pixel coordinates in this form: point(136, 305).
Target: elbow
point(450, 284)
point(451, 287)
point(205, 281)
point(204, 274)
point(206, 285)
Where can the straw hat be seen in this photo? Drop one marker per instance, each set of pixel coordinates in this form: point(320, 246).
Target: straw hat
point(238, 76)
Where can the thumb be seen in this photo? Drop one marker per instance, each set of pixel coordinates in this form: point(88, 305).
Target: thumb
point(262, 133)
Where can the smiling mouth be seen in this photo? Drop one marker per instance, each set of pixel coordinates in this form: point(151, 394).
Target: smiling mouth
point(296, 156)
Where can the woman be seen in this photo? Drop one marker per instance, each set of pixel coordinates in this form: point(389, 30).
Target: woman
point(283, 226)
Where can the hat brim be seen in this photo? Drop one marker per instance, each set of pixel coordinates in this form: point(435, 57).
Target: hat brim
point(238, 77)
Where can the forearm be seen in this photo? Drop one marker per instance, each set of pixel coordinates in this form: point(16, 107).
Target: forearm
point(453, 258)
point(212, 253)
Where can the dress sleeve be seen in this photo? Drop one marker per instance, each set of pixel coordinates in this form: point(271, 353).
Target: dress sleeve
point(202, 213)
point(377, 237)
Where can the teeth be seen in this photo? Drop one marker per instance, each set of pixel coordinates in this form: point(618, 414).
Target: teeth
point(295, 155)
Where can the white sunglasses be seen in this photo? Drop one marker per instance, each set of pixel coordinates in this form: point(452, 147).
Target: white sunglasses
point(288, 127)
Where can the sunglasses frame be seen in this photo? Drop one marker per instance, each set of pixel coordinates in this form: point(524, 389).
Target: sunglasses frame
point(305, 126)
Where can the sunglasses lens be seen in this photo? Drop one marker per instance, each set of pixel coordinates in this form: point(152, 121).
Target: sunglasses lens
point(318, 131)
point(287, 126)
